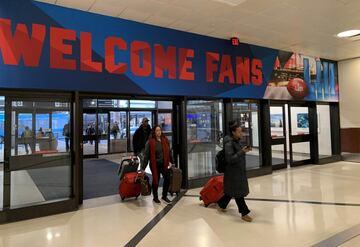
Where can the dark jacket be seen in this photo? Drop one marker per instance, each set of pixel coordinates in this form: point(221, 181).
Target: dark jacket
point(235, 179)
point(141, 136)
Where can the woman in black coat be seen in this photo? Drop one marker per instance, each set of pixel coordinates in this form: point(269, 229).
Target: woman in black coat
point(235, 179)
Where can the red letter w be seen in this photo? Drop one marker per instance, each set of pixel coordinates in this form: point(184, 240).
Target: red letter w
point(21, 45)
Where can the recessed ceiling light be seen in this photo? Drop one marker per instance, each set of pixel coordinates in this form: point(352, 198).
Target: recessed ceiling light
point(231, 2)
point(349, 33)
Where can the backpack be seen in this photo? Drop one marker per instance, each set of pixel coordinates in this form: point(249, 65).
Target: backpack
point(220, 161)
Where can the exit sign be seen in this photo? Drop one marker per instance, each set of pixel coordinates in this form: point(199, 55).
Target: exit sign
point(235, 41)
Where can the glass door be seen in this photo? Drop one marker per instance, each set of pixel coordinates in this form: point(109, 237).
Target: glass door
point(135, 121)
point(300, 138)
point(118, 132)
point(165, 121)
point(24, 140)
point(102, 133)
point(89, 134)
point(278, 123)
point(204, 126)
point(246, 114)
point(37, 170)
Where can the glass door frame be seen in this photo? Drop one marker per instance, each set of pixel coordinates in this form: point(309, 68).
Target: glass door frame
point(311, 137)
point(90, 111)
point(283, 139)
point(335, 134)
point(173, 128)
point(9, 214)
point(153, 122)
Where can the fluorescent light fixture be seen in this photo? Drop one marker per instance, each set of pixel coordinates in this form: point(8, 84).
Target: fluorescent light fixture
point(349, 33)
point(231, 2)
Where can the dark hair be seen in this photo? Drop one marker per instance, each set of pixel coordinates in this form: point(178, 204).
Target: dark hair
point(153, 135)
point(233, 125)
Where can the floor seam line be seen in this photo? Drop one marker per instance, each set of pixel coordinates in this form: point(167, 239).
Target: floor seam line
point(150, 225)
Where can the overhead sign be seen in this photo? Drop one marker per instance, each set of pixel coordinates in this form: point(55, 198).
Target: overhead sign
point(50, 47)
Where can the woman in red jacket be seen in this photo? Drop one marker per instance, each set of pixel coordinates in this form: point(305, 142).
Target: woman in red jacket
point(157, 150)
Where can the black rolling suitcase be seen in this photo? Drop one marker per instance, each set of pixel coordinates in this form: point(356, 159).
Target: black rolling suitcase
point(175, 180)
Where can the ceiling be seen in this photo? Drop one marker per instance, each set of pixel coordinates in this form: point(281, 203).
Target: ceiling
point(305, 26)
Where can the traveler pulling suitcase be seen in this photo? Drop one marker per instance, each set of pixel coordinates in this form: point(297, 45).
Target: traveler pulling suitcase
point(175, 180)
point(130, 164)
point(213, 190)
point(130, 185)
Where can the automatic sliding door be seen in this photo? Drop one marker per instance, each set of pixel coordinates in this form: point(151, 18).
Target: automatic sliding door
point(24, 140)
point(118, 130)
point(204, 126)
point(165, 121)
point(89, 134)
point(38, 170)
point(103, 133)
point(246, 114)
point(136, 118)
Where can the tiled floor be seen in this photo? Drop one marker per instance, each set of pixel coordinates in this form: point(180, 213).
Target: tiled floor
point(292, 215)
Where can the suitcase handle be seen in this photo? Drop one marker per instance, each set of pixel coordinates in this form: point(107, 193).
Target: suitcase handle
point(131, 158)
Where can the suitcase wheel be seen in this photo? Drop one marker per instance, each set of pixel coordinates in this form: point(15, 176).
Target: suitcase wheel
point(177, 193)
point(206, 205)
point(171, 193)
point(122, 198)
point(200, 199)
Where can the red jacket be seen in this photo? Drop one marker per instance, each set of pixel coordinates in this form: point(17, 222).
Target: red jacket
point(166, 157)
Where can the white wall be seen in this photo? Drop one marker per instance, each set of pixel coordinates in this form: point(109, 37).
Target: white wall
point(349, 80)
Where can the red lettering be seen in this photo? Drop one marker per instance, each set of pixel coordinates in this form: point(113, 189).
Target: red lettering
point(211, 67)
point(226, 69)
point(20, 45)
point(256, 70)
point(86, 62)
point(242, 70)
point(165, 60)
point(136, 48)
point(110, 44)
point(58, 48)
point(185, 64)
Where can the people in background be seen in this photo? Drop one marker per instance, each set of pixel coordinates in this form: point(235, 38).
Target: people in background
point(40, 133)
point(27, 137)
point(66, 134)
point(90, 132)
point(157, 151)
point(141, 136)
point(235, 179)
point(115, 130)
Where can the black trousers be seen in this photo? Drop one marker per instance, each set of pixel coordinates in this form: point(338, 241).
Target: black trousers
point(166, 176)
point(240, 202)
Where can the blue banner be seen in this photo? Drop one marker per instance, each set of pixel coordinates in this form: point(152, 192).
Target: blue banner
point(43, 46)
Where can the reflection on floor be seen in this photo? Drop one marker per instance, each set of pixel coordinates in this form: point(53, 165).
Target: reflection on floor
point(353, 157)
point(24, 190)
point(291, 215)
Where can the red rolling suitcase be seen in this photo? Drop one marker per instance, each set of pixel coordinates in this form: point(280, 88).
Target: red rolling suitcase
point(213, 190)
point(129, 186)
